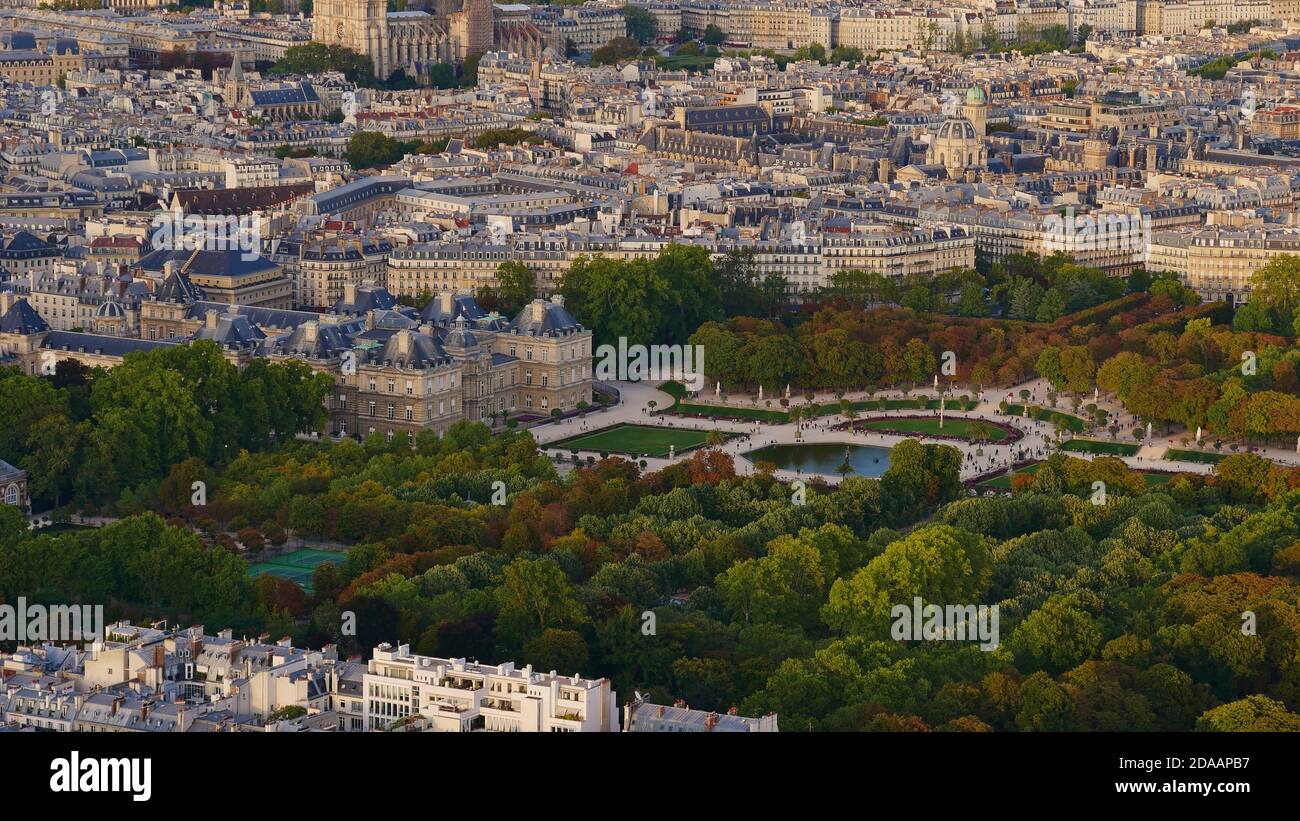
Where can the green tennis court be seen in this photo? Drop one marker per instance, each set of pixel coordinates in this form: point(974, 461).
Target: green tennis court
point(297, 566)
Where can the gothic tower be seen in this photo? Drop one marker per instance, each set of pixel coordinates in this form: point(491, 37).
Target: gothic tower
point(361, 25)
point(236, 91)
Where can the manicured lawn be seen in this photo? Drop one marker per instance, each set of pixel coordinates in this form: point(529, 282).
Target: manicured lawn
point(930, 427)
point(1175, 455)
point(635, 440)
point(1154, 479)
point(898, 404)
point(1003, 482)
point(756, 414)
point(1094, 446)
point(674, 389)
point(1072, 423)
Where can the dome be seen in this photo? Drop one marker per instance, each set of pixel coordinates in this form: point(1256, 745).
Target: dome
point(975, 96)
point(957, 129)
point(110, 309)
point(460, 336)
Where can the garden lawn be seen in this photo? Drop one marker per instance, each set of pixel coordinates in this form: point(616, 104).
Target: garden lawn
point(930, 427)
point(1003, 482)
point(635, 440)
point(1072, 423)
point(756, 414)
point(1200, 456)
point(1106, 448)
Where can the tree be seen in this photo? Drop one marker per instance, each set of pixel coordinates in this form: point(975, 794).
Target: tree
point(1056, 637)
point(469, 70)
point(1252, 714)
point(52, 442)
point(442, 75)
point(368, 149)
point(1276, 285)
point(786, 586)
point(713, 36)
point(641, 25)
point(618, 50)
point(317, 58)
point(812, 51)
point(516, 287)
point(564, 651)
point(534, 595)
point(942, 565)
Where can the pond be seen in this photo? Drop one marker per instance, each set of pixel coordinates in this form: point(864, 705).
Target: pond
point(824, 458)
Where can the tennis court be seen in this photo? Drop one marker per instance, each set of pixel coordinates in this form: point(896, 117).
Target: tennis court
point(297, 566)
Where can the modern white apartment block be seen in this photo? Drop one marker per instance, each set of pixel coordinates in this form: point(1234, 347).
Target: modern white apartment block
point(455, 695)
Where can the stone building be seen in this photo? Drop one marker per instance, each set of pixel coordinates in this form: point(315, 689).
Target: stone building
point(407, 40)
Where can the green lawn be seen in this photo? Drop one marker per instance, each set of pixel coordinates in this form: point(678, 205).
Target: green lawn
point(1094, 446)
point(1175, 455)
point(1072, 423)
point(930, 427)
point(635, 440)
point(1003, 482)
point(756, 414)
point(919, 403)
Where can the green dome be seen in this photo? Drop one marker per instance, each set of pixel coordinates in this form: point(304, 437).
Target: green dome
point(975, 95)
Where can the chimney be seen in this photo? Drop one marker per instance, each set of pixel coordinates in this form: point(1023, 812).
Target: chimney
point(557, 299)
point(210, 318)
point(7, 300)
point(539, 310)
point(309, 330)
point(446, 300)
point(404, 342)
point(349, 294)
point(169, 268)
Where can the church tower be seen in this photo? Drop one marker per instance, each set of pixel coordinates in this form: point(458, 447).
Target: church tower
point(361, 25)
point(976, 109)
point(236, 91)
point(472, 28)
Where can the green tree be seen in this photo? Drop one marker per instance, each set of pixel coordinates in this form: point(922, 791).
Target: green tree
point(516, 287)
point(1276, 285)
point(534, 595)
point(641, 25)
point(564, 651)
point(942, 564)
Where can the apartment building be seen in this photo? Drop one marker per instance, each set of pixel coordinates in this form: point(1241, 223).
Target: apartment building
point(1218, 262)
point(455, 695)
point(641, 716)
point(321, 266)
